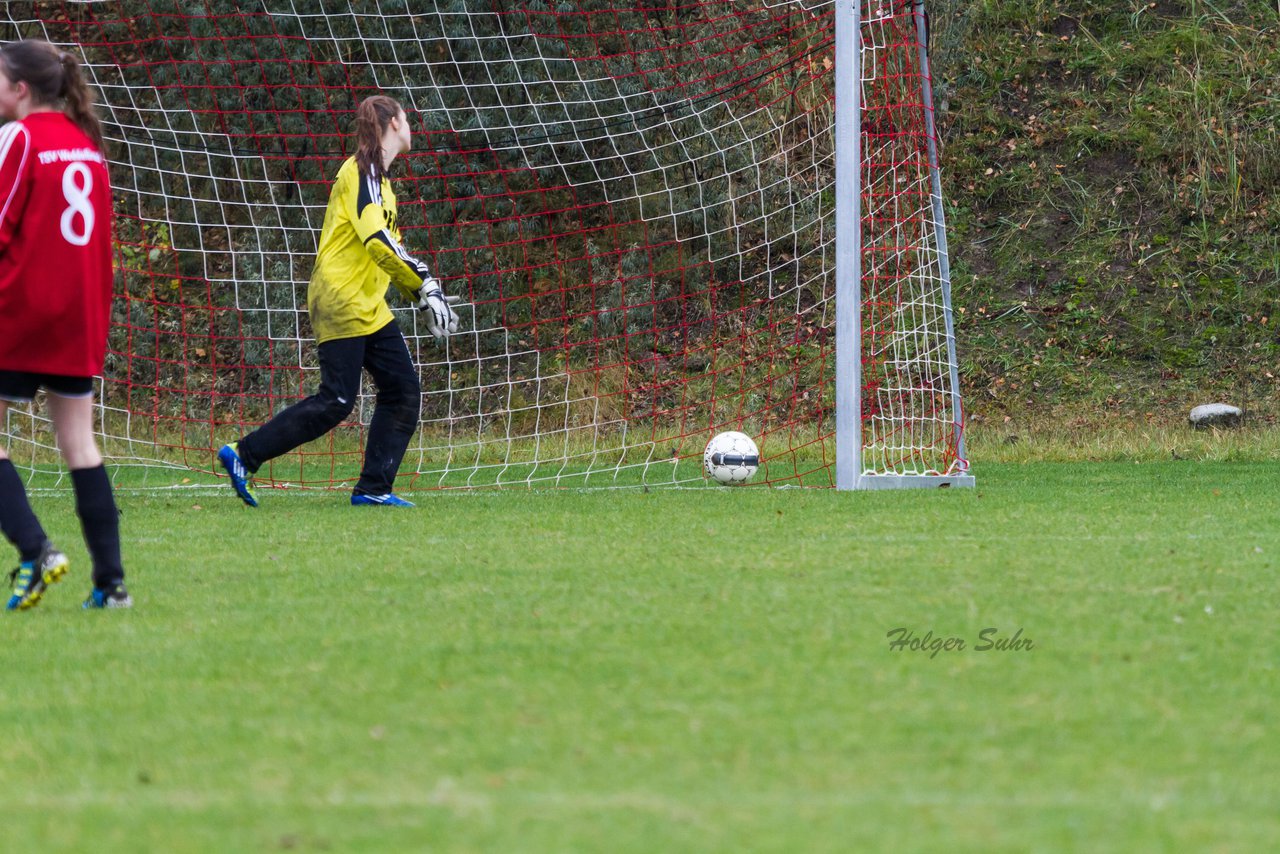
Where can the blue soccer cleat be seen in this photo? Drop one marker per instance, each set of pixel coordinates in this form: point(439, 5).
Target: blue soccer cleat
point(116, 597)
point(31, 579)
point(241, 477)
point(360, 499)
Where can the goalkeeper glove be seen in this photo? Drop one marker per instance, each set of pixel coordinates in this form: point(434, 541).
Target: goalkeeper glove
point(442, 320)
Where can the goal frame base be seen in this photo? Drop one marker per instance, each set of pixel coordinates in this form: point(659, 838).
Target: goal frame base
point(913, 481)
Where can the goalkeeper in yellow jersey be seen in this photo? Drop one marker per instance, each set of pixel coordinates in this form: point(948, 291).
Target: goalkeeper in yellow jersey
point(360, 253)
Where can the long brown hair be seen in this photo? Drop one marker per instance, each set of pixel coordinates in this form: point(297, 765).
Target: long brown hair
point(52, 75)
point(372, 117)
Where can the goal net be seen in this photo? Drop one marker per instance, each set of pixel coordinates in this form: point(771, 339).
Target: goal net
point(637, 203)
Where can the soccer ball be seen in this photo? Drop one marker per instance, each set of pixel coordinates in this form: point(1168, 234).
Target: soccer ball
point(731, 458)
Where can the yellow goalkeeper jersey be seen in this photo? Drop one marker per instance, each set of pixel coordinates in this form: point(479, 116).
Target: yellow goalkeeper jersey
point(360, 253)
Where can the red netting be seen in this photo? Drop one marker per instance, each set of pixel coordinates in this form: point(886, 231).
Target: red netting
point(636, 203)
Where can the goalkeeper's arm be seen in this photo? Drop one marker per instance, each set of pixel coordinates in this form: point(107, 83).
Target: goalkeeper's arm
point(410, 275)
point(407, 273)
point(414, 280)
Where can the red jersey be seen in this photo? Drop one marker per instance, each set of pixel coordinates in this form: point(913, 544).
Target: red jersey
point(55, 248)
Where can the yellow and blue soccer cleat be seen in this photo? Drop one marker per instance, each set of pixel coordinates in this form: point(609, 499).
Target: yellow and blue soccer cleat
point(32, 578)
point(28, 587)
point(241, 477)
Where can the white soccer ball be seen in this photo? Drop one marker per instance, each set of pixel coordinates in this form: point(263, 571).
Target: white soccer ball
point(731, 458)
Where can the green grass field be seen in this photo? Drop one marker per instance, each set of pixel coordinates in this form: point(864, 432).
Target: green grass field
point(684, 670)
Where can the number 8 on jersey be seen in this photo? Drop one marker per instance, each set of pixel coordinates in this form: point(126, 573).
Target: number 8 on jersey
point(55, 248)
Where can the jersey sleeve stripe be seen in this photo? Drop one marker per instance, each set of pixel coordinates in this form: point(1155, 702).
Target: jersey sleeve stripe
point(420, 266)
point(8, 136)
point(370, 193)
point(412, 263)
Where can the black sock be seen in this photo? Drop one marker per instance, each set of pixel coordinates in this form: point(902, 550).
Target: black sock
point(100, 521)
point(245, 451)
point(17, 519)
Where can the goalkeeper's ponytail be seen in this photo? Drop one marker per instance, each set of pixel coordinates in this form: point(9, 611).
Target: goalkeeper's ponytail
point(372, 117)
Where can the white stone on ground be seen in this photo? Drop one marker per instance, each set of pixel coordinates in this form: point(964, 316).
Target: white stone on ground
point(1215, 415)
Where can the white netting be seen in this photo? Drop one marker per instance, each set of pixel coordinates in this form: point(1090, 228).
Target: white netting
point(636, 203)
point(911, 409)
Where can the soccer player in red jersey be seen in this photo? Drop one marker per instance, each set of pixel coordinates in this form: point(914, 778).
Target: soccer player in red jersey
point(55, 304)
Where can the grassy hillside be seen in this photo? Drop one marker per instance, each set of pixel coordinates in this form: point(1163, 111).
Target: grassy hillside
point(1111, 170)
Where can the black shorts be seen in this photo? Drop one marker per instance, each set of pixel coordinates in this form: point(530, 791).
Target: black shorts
point(21, 386)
